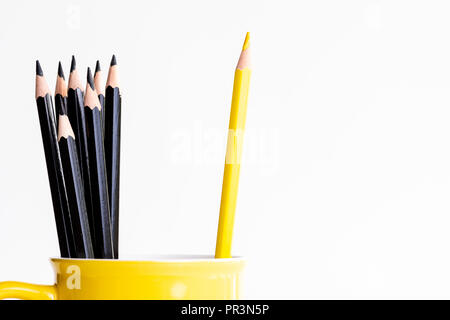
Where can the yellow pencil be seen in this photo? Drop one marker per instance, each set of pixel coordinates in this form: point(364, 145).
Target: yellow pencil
point(233, 154)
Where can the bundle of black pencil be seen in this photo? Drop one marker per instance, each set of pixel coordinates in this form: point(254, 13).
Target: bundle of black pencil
point(113, 109)
point(82, 151)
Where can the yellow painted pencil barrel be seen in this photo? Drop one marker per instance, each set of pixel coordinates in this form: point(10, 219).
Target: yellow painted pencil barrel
point(234, 152)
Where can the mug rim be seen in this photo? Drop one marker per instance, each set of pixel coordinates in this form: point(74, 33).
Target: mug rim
point(163, 258)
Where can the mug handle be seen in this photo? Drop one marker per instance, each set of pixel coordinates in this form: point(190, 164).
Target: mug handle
point(26, 291)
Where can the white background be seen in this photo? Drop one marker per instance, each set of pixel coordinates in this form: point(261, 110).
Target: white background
point(345, 186)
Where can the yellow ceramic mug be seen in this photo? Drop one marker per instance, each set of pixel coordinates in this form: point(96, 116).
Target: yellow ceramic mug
point(165, 277)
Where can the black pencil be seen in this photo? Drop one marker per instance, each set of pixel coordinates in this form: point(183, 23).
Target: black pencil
point(100, 91)
point(60, 93)
point(54, 169)
point(75, 189)
point(113, 108)
point(77, 118)
point(103, 246)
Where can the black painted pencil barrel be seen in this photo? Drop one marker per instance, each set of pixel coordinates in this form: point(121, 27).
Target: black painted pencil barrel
point(101, 99)
point(103, 246)
point(112, 113)
point(75, 111)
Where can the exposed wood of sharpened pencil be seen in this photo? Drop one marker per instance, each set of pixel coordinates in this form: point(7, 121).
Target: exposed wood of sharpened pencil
point(75, 189)
point(53, 161)
point(77, 118)
point(99, 88)
point(234, 152)
point(60, 93)
point(113, 109)
point(103, 246)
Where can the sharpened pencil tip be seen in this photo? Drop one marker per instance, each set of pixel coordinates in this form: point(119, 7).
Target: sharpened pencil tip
point(97, 67)
point(113, 60)
point(60, 71)
point(73, 64)
point(244, 58)
point(39, 69)
point(64, 128)
point(89, 79)
point(246, 41)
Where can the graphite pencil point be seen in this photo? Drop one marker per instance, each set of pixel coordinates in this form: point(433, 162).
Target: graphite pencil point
point(60, 71)
point(39, 69)
point(97, 67)
point(73, 64)
point(113, 60)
